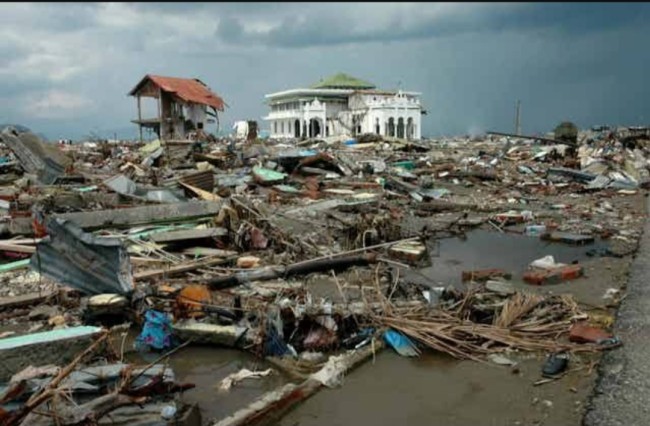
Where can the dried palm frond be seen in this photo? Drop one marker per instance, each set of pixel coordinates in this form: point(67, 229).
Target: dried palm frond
point(516, 307)
point(526, 322)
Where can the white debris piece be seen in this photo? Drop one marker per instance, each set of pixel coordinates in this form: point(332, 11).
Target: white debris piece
point(242, 374)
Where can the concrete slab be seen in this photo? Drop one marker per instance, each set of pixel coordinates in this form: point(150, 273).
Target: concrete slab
point(56, 347)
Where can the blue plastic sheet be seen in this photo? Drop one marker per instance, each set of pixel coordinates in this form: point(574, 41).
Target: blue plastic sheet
point(400, 343)
point(156, 333)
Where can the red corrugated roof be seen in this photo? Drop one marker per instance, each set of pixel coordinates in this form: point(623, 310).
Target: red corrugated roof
point(187, 89)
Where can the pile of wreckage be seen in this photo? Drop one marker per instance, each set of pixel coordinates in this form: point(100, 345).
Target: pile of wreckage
point(294, 251)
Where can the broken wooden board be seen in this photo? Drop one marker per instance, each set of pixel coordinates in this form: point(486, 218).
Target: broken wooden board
point(17, 248)
point(203, 194)
point(12, 266)
point(129, 217)
point(187, 234)
point(24, 300)
point(273, 405)
point(209, 251)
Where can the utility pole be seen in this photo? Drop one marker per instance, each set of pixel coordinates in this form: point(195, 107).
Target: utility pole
point(517, 119)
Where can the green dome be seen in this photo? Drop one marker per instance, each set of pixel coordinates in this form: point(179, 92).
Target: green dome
point(342, 81)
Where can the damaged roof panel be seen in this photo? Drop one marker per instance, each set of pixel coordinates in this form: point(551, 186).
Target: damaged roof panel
point(83, 261)
point(187, 89)
point(35, 156)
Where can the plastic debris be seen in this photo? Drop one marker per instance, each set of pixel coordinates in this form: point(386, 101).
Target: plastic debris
point(402, 344)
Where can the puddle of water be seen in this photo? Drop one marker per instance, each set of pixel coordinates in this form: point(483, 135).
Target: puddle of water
point(206, 366)
point(485, 249)
point(436, 389)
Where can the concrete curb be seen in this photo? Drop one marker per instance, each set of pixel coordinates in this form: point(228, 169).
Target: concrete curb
point(621, 393)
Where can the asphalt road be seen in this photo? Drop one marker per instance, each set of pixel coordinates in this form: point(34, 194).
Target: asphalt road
point(622, 394)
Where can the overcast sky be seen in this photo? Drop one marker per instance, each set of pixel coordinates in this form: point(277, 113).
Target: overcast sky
point(66, 68)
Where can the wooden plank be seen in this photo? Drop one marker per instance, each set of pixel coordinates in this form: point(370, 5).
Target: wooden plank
point(21, 241)
point(209, 251)
point(269, 408)
point(187, 234)
point(129, 217)
point(205, 195)
point(17, 248)
point(12, 266)
point(140, 118)
point(24, 300)
point(145, 260)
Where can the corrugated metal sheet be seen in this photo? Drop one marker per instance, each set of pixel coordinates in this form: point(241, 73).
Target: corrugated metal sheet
point(35, 156)
point(78, 259)
point(187, 89)
point(203, 180)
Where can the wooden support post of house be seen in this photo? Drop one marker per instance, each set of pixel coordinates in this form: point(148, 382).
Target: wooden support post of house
point(139, 118)
point(160, 115)
point(164, 159)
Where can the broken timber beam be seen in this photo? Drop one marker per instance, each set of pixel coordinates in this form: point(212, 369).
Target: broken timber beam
point(125, 218)
point(303, 268)
point(186, 234)
point(273, 405)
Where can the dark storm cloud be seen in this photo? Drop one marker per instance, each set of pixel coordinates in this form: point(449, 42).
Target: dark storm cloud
point(304, 28)
point(583, 62)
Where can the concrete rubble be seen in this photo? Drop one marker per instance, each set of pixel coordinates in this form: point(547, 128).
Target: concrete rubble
point(310, 255)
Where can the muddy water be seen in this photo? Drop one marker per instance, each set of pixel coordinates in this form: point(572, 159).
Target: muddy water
point(488, 249)
point(433, 389)
point(206, 367)
point(437, 390)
